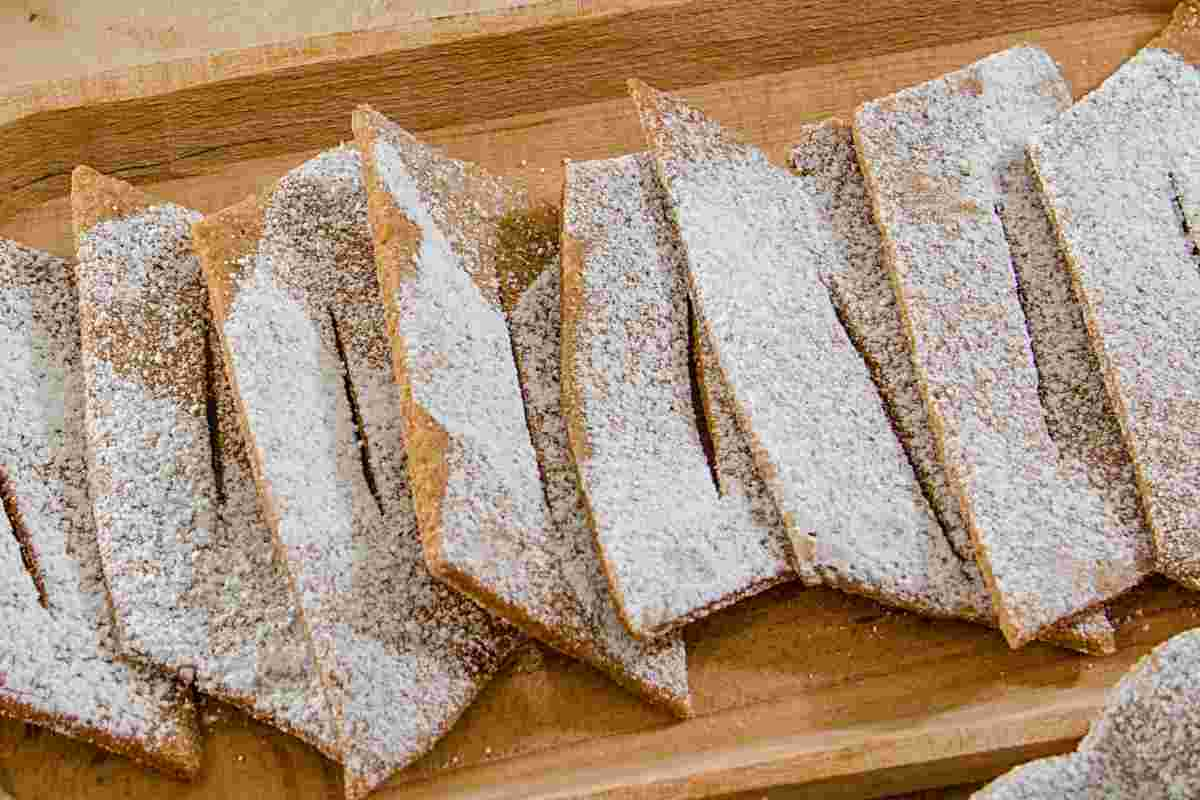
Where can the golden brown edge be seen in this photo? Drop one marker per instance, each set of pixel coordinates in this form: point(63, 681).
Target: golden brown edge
point(1016, 635)
point(1182, 34)
point(1062, 633)
point(223, 241)
point(179, 756)
point(97, 198)
point(647, 101)
point(397, 240)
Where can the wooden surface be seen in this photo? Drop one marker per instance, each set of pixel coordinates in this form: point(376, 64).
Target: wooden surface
point(812, 692)
point(193, 116)
point(74, 38)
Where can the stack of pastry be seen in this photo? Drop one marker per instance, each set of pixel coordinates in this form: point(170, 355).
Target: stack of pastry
point(334, 453)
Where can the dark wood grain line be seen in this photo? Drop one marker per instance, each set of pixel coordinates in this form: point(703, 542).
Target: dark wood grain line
point(561, 64)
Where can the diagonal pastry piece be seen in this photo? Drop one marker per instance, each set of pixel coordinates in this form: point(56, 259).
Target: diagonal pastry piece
point(674, 548)
point(59, 660)
point(189, 563)
point(656, 669)
point(474, 461)
point(1143, 745)
point(291, 278)
point(861, 291)
point(1120, 173)
point(143, 325)
point(259, 654)
point(1044, 492)
point(732, 461)
point(758, 243)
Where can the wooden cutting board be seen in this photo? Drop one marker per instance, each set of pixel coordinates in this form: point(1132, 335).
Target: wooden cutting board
point(826, 694)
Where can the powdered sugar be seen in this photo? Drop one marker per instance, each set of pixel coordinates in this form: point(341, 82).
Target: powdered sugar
point(58, 665)
point(866, 302)
point(1048, 540)
point(1121, 179)
point(150, 470)
point(41, 428)
point(60, 671)
point(757, 246)
point(577, 602)
point(495, 537)
point(1149, 734)
point(1058, 776)
point(144, 501)
point(674, 549)
point(190, 567)
point(384, 631)
point(257, 652)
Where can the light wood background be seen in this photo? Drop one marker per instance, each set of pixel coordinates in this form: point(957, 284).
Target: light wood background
point(814, 693)
point(53, 39)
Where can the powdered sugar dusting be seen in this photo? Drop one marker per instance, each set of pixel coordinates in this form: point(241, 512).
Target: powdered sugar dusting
point(479, 355)
point(535, 564)
point(257, 652)
point(399, 655)
point(458, 371)
point(59, 664)
point(1058, 776)
point(939, 158)
point(863, 294)
point(1149, 733)
point(743, 492)
point(827, 161)
point(144, 501)
point(1121, 178)
point(757, 246)
point(191, 568)
point(859, 288)
point(456, 204)
point(143, 326)
point(41, 438)
point(61, 671)
point(586, 616)
point(675, 550)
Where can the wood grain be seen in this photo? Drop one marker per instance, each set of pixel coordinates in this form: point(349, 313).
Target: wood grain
point(204, 113)
point(768, 110)
point(828, 695)
point(72, 38)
